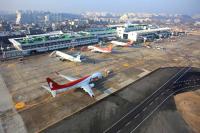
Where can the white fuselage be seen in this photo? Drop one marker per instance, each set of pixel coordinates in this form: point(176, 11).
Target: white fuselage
point(83, 83)
point(116, 43)
point(67, 57)
point(97, 49)
point(78, 85)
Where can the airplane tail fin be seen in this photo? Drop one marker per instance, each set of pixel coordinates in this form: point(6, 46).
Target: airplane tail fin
point(110, 47)
point(53, 53)
point(52, 84)
point(78, 57)
point(53, 93)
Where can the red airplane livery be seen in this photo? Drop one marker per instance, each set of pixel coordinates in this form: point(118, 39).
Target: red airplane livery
point(84, 83)
point(101, 49)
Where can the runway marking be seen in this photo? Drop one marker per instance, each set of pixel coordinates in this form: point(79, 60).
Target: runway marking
point(145, 72)
point(144, 109)
point(106, 93)
point(118, 131)
point(182, 74)
point(127, 82)
point(159, 106)
point(194, 80)
point(147, 98)
point(136, 115)
point(156, 98)
point(151, 103)
point(128, 123)
point(109, 91)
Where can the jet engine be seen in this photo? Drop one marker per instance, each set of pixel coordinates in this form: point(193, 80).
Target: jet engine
point(91, 85)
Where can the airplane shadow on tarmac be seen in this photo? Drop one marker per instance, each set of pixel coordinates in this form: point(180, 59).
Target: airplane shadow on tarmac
point(95, 61)
point(120, 52)
point(99, 85)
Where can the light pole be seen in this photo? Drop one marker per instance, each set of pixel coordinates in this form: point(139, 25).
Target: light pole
point(2, 51)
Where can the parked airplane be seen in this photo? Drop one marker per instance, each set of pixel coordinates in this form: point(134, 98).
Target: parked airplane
point(101, 50)
point(84, 83)
point(122, 44)
point(64, 56)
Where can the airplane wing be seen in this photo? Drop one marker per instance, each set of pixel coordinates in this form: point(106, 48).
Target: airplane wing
point(67, 77)
point(88, 89)
point(93, 50)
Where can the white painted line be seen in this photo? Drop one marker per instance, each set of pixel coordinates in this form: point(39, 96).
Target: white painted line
point(136, 115)
point(156, 98)
point(158, 107)
point(109, 91)
point(101, 96)
point(150, 113)
point(128, 123)
point(112, 89)
point(182, 75)
point(127, 82)
point(145, 99)
point(143, 73)
point(144, 109)
point(151, 103)
point(118, 131)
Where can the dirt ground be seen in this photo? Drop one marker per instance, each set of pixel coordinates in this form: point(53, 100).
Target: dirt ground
point(188, 104)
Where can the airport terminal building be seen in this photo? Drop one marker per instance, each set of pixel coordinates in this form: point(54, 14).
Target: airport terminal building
point(58, 40)
point(51, 41)
point(135, 32)
point(101, 32)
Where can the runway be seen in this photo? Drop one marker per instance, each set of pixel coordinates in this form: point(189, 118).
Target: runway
point(128, 110)
point(135, 117)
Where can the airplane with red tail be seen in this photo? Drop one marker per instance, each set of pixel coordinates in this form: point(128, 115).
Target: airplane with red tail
point(84, 83)
point(122, 44)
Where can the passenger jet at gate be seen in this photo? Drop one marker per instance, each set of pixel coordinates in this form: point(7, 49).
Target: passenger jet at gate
point(84, 83)
point(101, 50)
point(64, 56)
point(122, 44)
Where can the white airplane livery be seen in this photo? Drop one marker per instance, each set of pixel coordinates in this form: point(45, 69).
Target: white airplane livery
point(64, 56)
point(101, 50)
point(122, 44)
point(84, 83)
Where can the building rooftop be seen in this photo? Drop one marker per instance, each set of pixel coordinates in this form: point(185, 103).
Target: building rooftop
point(96, 31)
point(53, 36)
point(151, 30)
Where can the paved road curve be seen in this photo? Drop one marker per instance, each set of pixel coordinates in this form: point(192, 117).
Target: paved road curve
point(135, 117)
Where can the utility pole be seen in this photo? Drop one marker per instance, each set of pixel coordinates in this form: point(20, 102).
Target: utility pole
point(3, 54)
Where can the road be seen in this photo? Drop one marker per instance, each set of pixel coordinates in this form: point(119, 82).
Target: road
point(135, 117)
point(7, 124)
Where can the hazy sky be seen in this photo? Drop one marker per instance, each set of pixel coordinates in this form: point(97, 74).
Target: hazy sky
point(78, 6)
